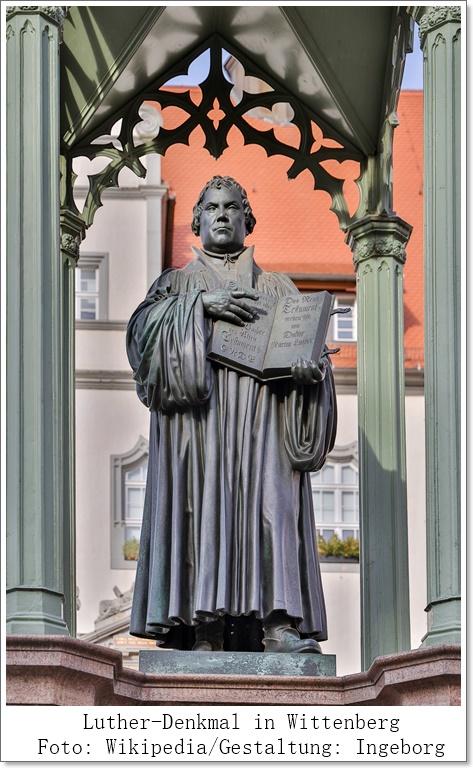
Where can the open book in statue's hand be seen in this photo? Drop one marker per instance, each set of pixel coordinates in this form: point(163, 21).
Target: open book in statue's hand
point(282, 331)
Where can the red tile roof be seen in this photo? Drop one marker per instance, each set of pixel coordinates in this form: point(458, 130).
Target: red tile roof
point(408, 186)
point(295, 230)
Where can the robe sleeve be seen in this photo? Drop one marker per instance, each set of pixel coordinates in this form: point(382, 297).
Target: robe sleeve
point(167, 348)
point(310, 423)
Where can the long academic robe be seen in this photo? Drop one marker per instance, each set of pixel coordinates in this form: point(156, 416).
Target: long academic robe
point(228, 524)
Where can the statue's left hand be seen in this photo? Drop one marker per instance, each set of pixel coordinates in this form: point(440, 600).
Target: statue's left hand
point(308, 371)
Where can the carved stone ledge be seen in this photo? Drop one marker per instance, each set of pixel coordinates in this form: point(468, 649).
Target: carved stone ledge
point(109, 380)
point(431, 17)
point(121, 602)
point(48, 670)
point(56, 13)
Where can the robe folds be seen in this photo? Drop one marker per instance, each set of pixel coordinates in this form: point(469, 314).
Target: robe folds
point(228, 524)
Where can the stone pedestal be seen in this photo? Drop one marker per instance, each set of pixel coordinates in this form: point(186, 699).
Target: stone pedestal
point(237, 663)
point(63, 671)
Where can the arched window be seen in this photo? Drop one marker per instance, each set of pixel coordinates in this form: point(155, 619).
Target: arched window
point(128, 495)
point(134, 481)
point(335, 495)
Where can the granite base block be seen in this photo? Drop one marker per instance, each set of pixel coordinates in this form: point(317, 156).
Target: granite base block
point(166, 662)
point(57, 670)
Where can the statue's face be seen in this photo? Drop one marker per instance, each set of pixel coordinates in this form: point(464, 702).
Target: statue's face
point(222, 221)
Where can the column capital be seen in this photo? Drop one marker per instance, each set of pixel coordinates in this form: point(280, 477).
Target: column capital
point(55, 13)
point(430, 17)
point(72, 234)
point(374, 237)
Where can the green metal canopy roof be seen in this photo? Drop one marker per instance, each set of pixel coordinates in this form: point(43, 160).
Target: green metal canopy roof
point(335, 60)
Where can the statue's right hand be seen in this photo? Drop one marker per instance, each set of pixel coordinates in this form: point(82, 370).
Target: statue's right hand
point(230, 305)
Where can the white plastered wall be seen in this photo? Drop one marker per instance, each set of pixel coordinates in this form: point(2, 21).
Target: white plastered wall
point(341, 582)
point(109, 422)
point(415, 449)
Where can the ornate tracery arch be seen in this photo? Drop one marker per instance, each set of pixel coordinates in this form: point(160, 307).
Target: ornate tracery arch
point(137, 129)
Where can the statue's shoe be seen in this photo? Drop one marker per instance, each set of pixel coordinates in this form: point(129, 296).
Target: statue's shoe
point(288, 640)
point(209, 636)
point(204, 645)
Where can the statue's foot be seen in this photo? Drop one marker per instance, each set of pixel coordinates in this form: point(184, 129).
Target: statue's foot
point(204, 645)
point(286, 639)
point(209, 636)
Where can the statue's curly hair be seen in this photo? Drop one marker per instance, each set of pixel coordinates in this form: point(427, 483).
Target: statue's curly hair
point(217, 182)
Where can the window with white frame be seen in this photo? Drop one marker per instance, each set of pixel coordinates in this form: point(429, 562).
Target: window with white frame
point(344, 325)
point(128, 496)
point(87, 293)
point(134, 486)
point(335, 497)
point(91, 293)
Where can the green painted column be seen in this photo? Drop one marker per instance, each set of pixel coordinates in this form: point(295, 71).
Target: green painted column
point(378, 245)
point(37, 505)
point(440, 28)
point(72, 234)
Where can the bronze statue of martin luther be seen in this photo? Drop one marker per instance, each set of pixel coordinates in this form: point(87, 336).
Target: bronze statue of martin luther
point(228, 525)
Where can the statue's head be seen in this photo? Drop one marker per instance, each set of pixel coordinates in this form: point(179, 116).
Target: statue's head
point(223, 215)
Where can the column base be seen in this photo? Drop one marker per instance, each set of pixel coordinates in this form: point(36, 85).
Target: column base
point(30, 625)
point(35, 611)
point(440, 637)
point(444, 622)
